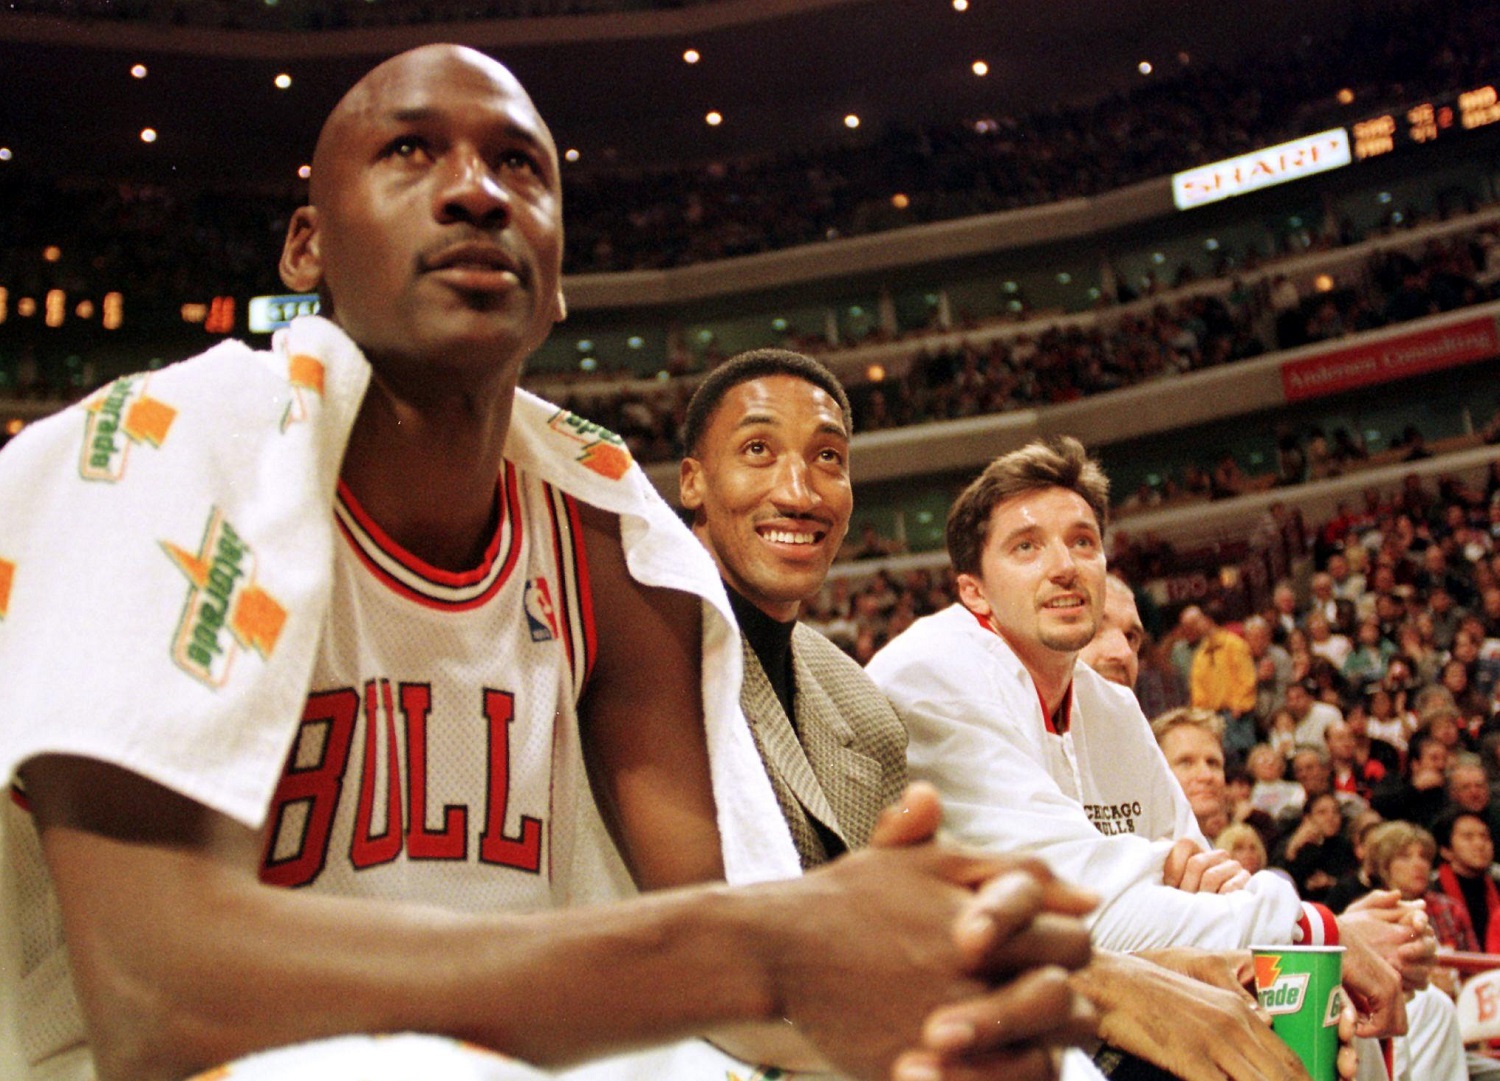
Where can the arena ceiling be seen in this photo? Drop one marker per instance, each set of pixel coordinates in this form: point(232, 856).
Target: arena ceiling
point(783, 73)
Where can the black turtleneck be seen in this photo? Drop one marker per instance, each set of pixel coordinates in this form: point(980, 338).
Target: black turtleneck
point(772, 642)
point(1478, 904)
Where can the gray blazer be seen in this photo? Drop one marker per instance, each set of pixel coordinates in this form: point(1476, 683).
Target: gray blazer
point(850, 761)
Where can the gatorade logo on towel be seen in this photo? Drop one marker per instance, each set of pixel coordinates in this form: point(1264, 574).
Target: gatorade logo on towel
point(7, 575)
point(120, 415)
point(305, 373)
point(226, 612)
point(603, 451)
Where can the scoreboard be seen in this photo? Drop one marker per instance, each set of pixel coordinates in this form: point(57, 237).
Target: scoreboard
point(1425, 122)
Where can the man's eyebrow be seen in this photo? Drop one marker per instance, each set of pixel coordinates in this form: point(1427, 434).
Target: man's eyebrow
point(1018, 532)
point(751, 420)
point(417, 114)
point(412, 114)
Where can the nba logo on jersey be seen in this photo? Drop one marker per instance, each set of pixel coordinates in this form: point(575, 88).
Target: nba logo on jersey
point(539, 614)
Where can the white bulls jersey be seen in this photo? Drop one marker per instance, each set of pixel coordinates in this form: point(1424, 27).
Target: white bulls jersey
point(423, 769)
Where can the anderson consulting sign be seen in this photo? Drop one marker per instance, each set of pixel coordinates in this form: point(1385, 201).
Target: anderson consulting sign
point(1391, 358)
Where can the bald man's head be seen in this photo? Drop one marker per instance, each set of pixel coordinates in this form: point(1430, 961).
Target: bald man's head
point(364, 101)
point(1115, 650)
point(434, 228)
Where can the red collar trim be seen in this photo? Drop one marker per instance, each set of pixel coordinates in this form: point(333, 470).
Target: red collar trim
point(1056, 723)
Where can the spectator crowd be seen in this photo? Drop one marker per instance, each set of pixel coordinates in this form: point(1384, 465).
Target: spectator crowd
point(1184, 332)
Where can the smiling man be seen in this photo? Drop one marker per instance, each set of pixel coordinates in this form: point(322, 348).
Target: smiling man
point(766, 480)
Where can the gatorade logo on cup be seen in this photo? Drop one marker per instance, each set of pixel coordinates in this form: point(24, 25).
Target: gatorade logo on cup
point(1285, 995)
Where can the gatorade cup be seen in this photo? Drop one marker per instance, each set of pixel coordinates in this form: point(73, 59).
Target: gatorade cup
point(1299, 987)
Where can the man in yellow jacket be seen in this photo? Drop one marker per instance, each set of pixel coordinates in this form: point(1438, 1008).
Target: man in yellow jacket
point(1222, 679)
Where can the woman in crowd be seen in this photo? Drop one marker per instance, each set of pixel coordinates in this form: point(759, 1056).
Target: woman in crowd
point(1317, 854)
point(1398, 856)
point(1243, 845)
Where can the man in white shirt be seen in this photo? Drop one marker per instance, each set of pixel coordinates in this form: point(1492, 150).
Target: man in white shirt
point(1036, 754)
point(1312, 716)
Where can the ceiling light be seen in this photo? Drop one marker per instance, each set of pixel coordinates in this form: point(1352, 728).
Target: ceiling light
point(714, 119)
point(900, 200)
point(138, 71)
point(572, 154)
point(851, 121)
point(691, 56)
point(5, 154)
point(1144, 67)
point(304, 171)
point(960, 5)
point(1346, 96)
point(148, 135)
point(282, 81)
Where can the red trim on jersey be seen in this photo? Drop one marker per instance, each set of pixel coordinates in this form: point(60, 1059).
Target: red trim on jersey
point(508, 491)
point(1317, 926)
point(585, 590)
point(1064, 709)
point(19, 799)
point(564, 585)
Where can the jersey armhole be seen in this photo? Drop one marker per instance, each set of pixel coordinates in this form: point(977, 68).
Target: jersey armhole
point(576, 598)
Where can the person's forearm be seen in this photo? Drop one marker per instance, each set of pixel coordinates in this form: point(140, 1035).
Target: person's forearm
point(270, 967)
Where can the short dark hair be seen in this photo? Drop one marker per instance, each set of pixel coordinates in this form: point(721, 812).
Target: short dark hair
point(1442, 828)
point(1414, 744)
point(755, 364)
point(1059, 461)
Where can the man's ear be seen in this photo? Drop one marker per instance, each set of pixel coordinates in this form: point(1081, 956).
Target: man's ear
point(690, 484)
point(560, 307)
point(971, 596)
point(301, 263)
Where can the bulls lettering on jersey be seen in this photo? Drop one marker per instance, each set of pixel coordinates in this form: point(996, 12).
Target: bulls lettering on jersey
point(308, 797)
point(425, 756)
